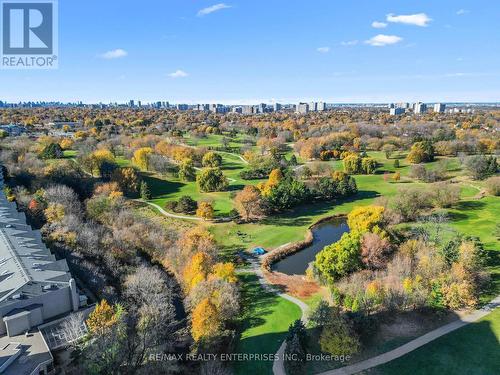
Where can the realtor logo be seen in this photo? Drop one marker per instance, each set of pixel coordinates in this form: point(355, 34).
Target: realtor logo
point(29, 34)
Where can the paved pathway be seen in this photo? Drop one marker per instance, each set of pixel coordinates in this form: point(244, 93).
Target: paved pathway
point(168, 214)
point(278, 365)
point(415, 344)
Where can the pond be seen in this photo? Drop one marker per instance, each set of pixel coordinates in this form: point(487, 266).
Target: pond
point(324, 234)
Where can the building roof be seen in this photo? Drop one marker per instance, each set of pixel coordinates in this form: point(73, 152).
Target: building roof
point(24, 353)
point(27, 267)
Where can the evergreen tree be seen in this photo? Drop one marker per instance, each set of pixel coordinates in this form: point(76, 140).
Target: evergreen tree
point(144, 191)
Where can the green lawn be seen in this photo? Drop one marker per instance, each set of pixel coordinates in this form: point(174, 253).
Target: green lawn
point(473, 349)
point(164, 189)
point(265, 321)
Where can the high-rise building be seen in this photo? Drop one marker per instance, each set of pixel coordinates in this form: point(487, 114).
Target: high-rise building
point(313, 107)
point(303, 108)
point(439, 107)
point(391, 105)
point(321, 106)
point(247, 110)
point(262, 108)
point(131, 103)
point(182, 107)
point(420, 108)
point(277, 107)
point(396, 111)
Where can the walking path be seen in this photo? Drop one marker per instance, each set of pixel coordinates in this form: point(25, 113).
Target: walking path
point(415, 344)
point(279, 367)
point(168, 214)
point(278, 364)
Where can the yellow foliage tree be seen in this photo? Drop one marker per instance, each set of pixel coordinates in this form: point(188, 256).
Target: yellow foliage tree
point(206, 321)
point(141, 157)
point(66, 143)
point(366, 219)
point(205, 211)
point(224, 271)
point(196, 270)
point(102, 318)
point(54, 212)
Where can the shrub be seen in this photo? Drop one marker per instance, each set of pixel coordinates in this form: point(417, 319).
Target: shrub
point(481, 166)
point(445, 195)
point(375, 251)
point(409, 202)
point(493, 185)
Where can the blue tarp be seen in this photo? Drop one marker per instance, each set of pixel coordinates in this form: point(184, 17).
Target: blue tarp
point(258, 251)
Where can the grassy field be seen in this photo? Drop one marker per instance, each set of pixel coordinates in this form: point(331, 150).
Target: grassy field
point(474, 349)
point(265, 320)
point(164, 189)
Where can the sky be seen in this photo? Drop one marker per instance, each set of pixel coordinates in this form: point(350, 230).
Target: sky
point(250, 51)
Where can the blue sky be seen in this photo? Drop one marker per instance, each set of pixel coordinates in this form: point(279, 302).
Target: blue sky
point(275, 50)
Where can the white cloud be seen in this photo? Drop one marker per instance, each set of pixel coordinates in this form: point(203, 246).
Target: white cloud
point(381, 40)
point(114, 54)
point(323, 49)
point(178, 74)
point(418, 19)
point(213, 8)
point(349, 43)
point(461, 12)
point(379, 25)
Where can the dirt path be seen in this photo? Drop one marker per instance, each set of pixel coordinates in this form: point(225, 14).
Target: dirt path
point(417, 343)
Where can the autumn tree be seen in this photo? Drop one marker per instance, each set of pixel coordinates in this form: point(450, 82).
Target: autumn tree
point(375, 250)
point(366, 219)
point(103, 317)
point(206, 321)
point(224, 271)
point(205, 210)
point(249, 203)
point(196, 270)
point(141, 157)
point(212, 159)
point(421, 152)
point(100, 162)
point(128, 180)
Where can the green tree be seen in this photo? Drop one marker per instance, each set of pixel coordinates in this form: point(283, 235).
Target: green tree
point(144, 191)
point(421, 152)
point(340, 258)
point(212, 159)
point(211, 179)
point(52, 151)
point(187, 171)
point(338, 338)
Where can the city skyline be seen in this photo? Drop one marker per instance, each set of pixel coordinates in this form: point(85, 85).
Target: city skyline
point(275, 52)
